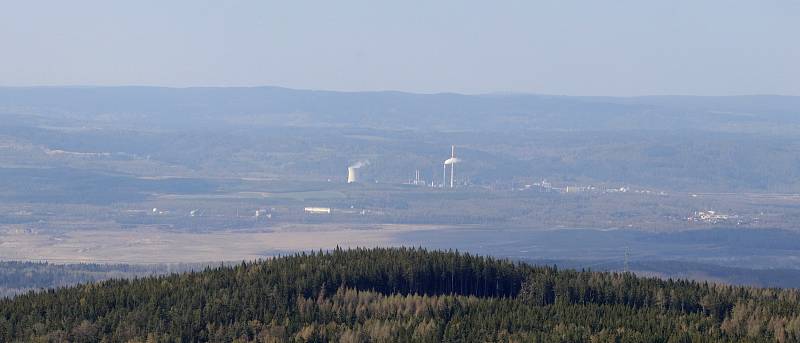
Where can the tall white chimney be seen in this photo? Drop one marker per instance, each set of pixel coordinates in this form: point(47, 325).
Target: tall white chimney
point(452, 166)
point(444, 174)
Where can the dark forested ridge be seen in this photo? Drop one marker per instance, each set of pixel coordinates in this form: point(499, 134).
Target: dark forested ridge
point(170, 108)
point(17, 277)
point(391, 295)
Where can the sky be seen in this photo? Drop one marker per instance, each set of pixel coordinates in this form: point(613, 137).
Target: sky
point(568, 47)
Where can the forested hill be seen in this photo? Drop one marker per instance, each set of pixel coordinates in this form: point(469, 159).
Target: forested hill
point(229, 107)
point(396, 295)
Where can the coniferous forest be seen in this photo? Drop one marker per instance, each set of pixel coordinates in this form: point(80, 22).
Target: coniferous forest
point(400, 295)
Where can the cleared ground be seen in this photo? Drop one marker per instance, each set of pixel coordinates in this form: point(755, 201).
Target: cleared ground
point(151, 245)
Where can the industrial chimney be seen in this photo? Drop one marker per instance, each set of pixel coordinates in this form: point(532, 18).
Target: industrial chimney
point(452, 163)
point(352, 171)
point(352, 174)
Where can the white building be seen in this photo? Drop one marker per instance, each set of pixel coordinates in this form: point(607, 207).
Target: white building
point(318, 210)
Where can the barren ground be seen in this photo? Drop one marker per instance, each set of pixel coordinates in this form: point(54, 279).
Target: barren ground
point(151, 245)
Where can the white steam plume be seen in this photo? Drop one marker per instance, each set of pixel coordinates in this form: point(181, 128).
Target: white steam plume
point(359, 164)
point(452, 160)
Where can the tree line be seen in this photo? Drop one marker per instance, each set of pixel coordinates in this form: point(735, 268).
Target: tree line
point(400, 295)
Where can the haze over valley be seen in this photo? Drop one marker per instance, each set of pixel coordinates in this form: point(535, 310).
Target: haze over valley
point(358, 171)
point(194, 175)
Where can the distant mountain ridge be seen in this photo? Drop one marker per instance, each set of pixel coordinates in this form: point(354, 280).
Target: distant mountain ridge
point(669, 142)
point(175, 108)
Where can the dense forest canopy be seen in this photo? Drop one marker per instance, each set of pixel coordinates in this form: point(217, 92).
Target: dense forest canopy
point(389, 295)
point(18, 277)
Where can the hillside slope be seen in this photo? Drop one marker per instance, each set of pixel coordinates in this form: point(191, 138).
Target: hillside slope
point(389, 295)
point(179, 108)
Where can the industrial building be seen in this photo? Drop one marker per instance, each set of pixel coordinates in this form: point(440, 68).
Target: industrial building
point(317, 210)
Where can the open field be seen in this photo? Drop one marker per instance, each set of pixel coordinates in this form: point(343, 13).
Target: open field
point(739, 256)
point(152, 245)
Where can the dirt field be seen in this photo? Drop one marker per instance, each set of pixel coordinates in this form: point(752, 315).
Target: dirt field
point(148, 245)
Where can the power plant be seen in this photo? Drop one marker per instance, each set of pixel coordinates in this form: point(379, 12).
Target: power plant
point(448, 172)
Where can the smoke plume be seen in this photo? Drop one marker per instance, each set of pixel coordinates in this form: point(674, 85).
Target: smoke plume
point(359, 164)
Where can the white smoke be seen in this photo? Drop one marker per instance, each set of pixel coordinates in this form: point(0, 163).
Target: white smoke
point(452, 160)
point(359, 164)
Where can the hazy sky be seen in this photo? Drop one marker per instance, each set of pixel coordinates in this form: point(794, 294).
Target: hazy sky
point(589, 47)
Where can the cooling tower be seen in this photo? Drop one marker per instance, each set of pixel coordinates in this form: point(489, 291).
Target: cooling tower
point(352, 174)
